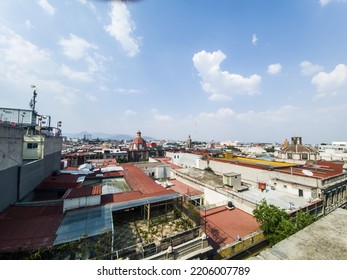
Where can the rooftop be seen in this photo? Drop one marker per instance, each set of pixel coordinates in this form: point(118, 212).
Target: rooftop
point(255, 163)
point(325, 239)
point(183, 188)
point(254, 195)
point(224, 226)
point(139, 181)
point(29, 227)
point(32, 227)
point(320, 169)
point(84, 191)
point(61, 181)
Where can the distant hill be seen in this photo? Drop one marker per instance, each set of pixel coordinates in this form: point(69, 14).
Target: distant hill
point(104, 136)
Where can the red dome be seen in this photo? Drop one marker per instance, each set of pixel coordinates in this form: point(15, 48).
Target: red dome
point(138, 144)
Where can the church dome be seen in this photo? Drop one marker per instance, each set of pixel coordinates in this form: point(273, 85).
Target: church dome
point(138, 144)
point(297, 147)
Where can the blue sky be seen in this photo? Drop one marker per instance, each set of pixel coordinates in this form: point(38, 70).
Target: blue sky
point(246, 70)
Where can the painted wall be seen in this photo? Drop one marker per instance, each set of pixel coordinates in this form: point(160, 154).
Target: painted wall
point(46, 145)
point(287, 183)
point(184, 159)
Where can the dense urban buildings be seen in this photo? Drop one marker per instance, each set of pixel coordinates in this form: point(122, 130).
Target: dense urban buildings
point(138, 199)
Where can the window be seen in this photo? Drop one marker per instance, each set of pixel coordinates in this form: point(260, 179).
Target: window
point(290, 156)
point(304, 156)
point(301, 192)
point(32, 145)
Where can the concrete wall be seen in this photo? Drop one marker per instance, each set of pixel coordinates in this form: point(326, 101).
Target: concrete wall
point(18, 180)
point(51, 163)
point(213, 197)
point(184, 159)
point(162, 172)
point(11, 149)
point(249, 175)
point(31, 174)
point(8, 187)
point(53, 145)
point(34, 172)
point(232, 180)
point(11, 146)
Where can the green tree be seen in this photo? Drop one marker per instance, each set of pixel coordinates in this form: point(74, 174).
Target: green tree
point(302, 219)
point(269, 216)
point(270, 149)
point(276, 223)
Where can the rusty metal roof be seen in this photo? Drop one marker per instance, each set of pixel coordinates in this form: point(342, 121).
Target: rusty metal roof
point(83, 191)
point(29, 227)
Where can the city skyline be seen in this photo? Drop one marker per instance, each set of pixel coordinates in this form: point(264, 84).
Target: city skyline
point(226, 70)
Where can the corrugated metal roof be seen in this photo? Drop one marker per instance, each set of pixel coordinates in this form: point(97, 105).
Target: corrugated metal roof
point(61, 181)
point(184, 189)
point(321, 170)
point(29, 227)
point(143, 201)
point(83, 223)
point(139, 181)
point(83, 191)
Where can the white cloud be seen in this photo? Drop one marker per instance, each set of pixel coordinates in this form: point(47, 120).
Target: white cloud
point(222, 85)
point(91, 97)
point(88, 4)
point(221, 113)
point(67, 99)
point(75, 75)
point(20, 57)
point(122, 28)
point(280, 115)
point(331, 83)
point(129, 113)
point(48, 88)
point(254, 39)
point(28, 24)
point(326, 2)
point(274, 69)
point(160, 117)
point(308, 69)
point(127, 90)
point(76, 47)
point(24, 63)
point(48, 8)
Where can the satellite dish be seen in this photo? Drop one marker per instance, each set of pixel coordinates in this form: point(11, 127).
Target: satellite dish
point(307, 172)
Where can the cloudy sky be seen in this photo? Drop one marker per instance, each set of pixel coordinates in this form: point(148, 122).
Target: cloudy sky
point(246, 70)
